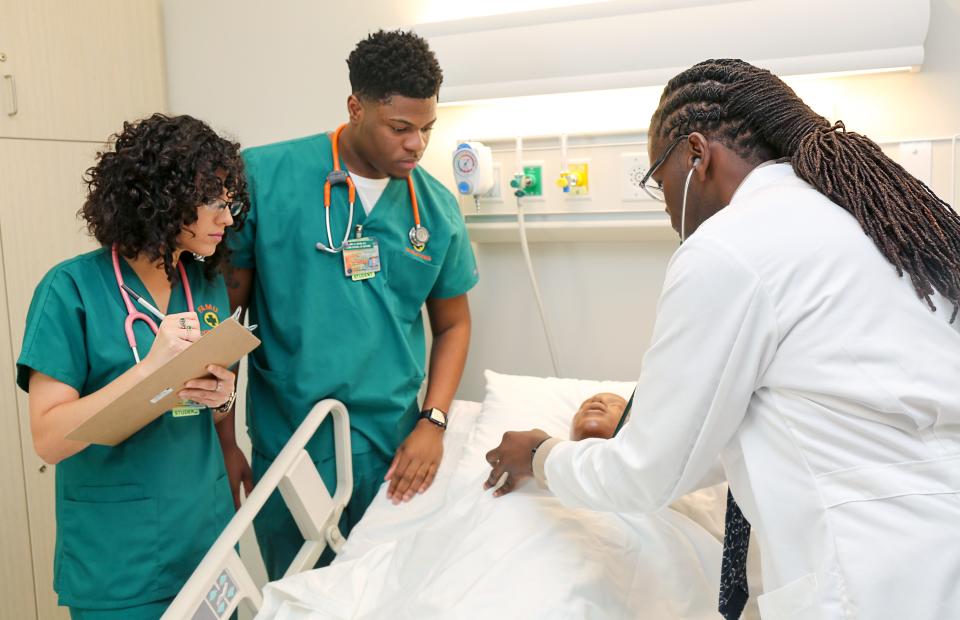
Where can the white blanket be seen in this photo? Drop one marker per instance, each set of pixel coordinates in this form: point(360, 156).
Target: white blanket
point(455, 552)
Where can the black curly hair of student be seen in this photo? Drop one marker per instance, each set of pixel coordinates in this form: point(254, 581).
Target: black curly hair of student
point(394, 63)
point(143, 191)
point(756, 114)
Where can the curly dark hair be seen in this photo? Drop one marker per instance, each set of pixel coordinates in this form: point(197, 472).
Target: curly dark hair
point(148, 187)
point(394, 63)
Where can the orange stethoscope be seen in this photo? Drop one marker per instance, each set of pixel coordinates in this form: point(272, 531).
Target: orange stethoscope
point(418, 235)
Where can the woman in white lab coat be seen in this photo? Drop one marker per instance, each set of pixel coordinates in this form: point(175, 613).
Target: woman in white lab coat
point(806, 335)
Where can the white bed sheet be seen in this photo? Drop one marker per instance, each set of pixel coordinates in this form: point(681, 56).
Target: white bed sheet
point(455, 552)
point(384, 522)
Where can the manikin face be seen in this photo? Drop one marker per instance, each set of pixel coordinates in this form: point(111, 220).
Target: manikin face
point(598, 417)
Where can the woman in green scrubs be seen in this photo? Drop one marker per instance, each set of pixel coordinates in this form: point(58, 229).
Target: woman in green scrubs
point(134, 520)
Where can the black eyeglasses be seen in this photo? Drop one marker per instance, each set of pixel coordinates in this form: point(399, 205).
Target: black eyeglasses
point(219, 204)
point(655, 190)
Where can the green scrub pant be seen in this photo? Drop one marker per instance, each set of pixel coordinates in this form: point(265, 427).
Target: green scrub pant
point(277, 533)
point(150, 611)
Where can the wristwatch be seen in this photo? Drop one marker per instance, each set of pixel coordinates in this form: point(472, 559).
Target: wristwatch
point(437, 416)
point(225, 407)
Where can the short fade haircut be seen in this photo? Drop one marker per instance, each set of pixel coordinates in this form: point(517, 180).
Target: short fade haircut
point(394, 63)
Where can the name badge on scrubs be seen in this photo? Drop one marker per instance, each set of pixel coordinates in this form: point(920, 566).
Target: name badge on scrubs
point(361, 258)
point(186, 409)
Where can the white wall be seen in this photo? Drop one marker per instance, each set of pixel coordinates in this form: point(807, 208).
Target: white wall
point(265, 72)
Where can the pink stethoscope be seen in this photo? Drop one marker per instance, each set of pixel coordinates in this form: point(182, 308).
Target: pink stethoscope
point(132, 313)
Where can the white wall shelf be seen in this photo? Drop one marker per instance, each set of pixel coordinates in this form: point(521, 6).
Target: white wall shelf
point(572, 227)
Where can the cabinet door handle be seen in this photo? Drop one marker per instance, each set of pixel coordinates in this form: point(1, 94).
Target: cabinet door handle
point(13, 94)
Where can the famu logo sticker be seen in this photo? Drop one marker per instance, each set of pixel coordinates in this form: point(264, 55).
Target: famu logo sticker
point(210, 315)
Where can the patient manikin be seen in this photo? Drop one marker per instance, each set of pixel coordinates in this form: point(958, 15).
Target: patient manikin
point(598, 417)
point(521, 556)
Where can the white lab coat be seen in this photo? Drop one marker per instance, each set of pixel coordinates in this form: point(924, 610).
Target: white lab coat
point(786, 344)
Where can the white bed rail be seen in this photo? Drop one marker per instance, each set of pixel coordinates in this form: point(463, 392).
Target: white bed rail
point(221, 581)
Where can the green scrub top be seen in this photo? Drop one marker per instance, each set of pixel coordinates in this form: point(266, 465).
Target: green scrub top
point(133, 520)
point(324, 335)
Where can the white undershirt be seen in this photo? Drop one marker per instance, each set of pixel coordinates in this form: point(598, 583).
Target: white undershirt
point(369, 190)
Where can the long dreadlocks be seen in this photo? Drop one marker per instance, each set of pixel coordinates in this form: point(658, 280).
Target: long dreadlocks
point(755, 113)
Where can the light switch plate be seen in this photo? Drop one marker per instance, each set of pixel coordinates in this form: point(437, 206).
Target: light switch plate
point(917, 159)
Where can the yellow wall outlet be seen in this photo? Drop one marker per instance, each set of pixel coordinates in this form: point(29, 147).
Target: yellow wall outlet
point(582, 171)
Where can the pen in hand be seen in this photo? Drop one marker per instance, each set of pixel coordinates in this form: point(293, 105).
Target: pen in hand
point(146, 304)
point(143, 302)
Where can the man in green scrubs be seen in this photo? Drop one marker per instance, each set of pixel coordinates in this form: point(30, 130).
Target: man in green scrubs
point(358, 338)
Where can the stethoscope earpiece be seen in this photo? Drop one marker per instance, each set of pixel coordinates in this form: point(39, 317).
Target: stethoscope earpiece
point(683, 209)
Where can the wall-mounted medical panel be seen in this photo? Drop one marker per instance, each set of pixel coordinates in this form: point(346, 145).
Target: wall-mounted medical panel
point(596, 176)
point(593, 194)
point(616, 207)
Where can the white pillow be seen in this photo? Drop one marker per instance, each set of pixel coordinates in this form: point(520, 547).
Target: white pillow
point(540, 402)
point(517, 403)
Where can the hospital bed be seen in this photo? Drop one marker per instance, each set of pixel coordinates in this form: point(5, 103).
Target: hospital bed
point(437, 556)
point(221, 582)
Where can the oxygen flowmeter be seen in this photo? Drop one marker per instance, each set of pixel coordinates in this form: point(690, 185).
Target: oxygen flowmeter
point(473, 169)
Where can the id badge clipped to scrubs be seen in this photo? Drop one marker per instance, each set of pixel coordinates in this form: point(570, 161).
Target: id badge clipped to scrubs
point(187, 409)
point(361, 257)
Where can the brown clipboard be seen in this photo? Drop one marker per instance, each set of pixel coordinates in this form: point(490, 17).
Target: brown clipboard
point(156, 394)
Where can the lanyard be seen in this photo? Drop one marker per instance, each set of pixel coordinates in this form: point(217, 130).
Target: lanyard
point(132, 314)
point(418, 235)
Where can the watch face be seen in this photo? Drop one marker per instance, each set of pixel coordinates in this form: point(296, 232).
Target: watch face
point(437, 417)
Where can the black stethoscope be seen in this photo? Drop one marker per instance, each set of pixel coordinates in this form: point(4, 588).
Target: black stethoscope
point(418, 235)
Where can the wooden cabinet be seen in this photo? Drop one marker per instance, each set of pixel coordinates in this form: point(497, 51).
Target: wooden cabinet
point(38, 228)
point(79, 69)
point(16, 562)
